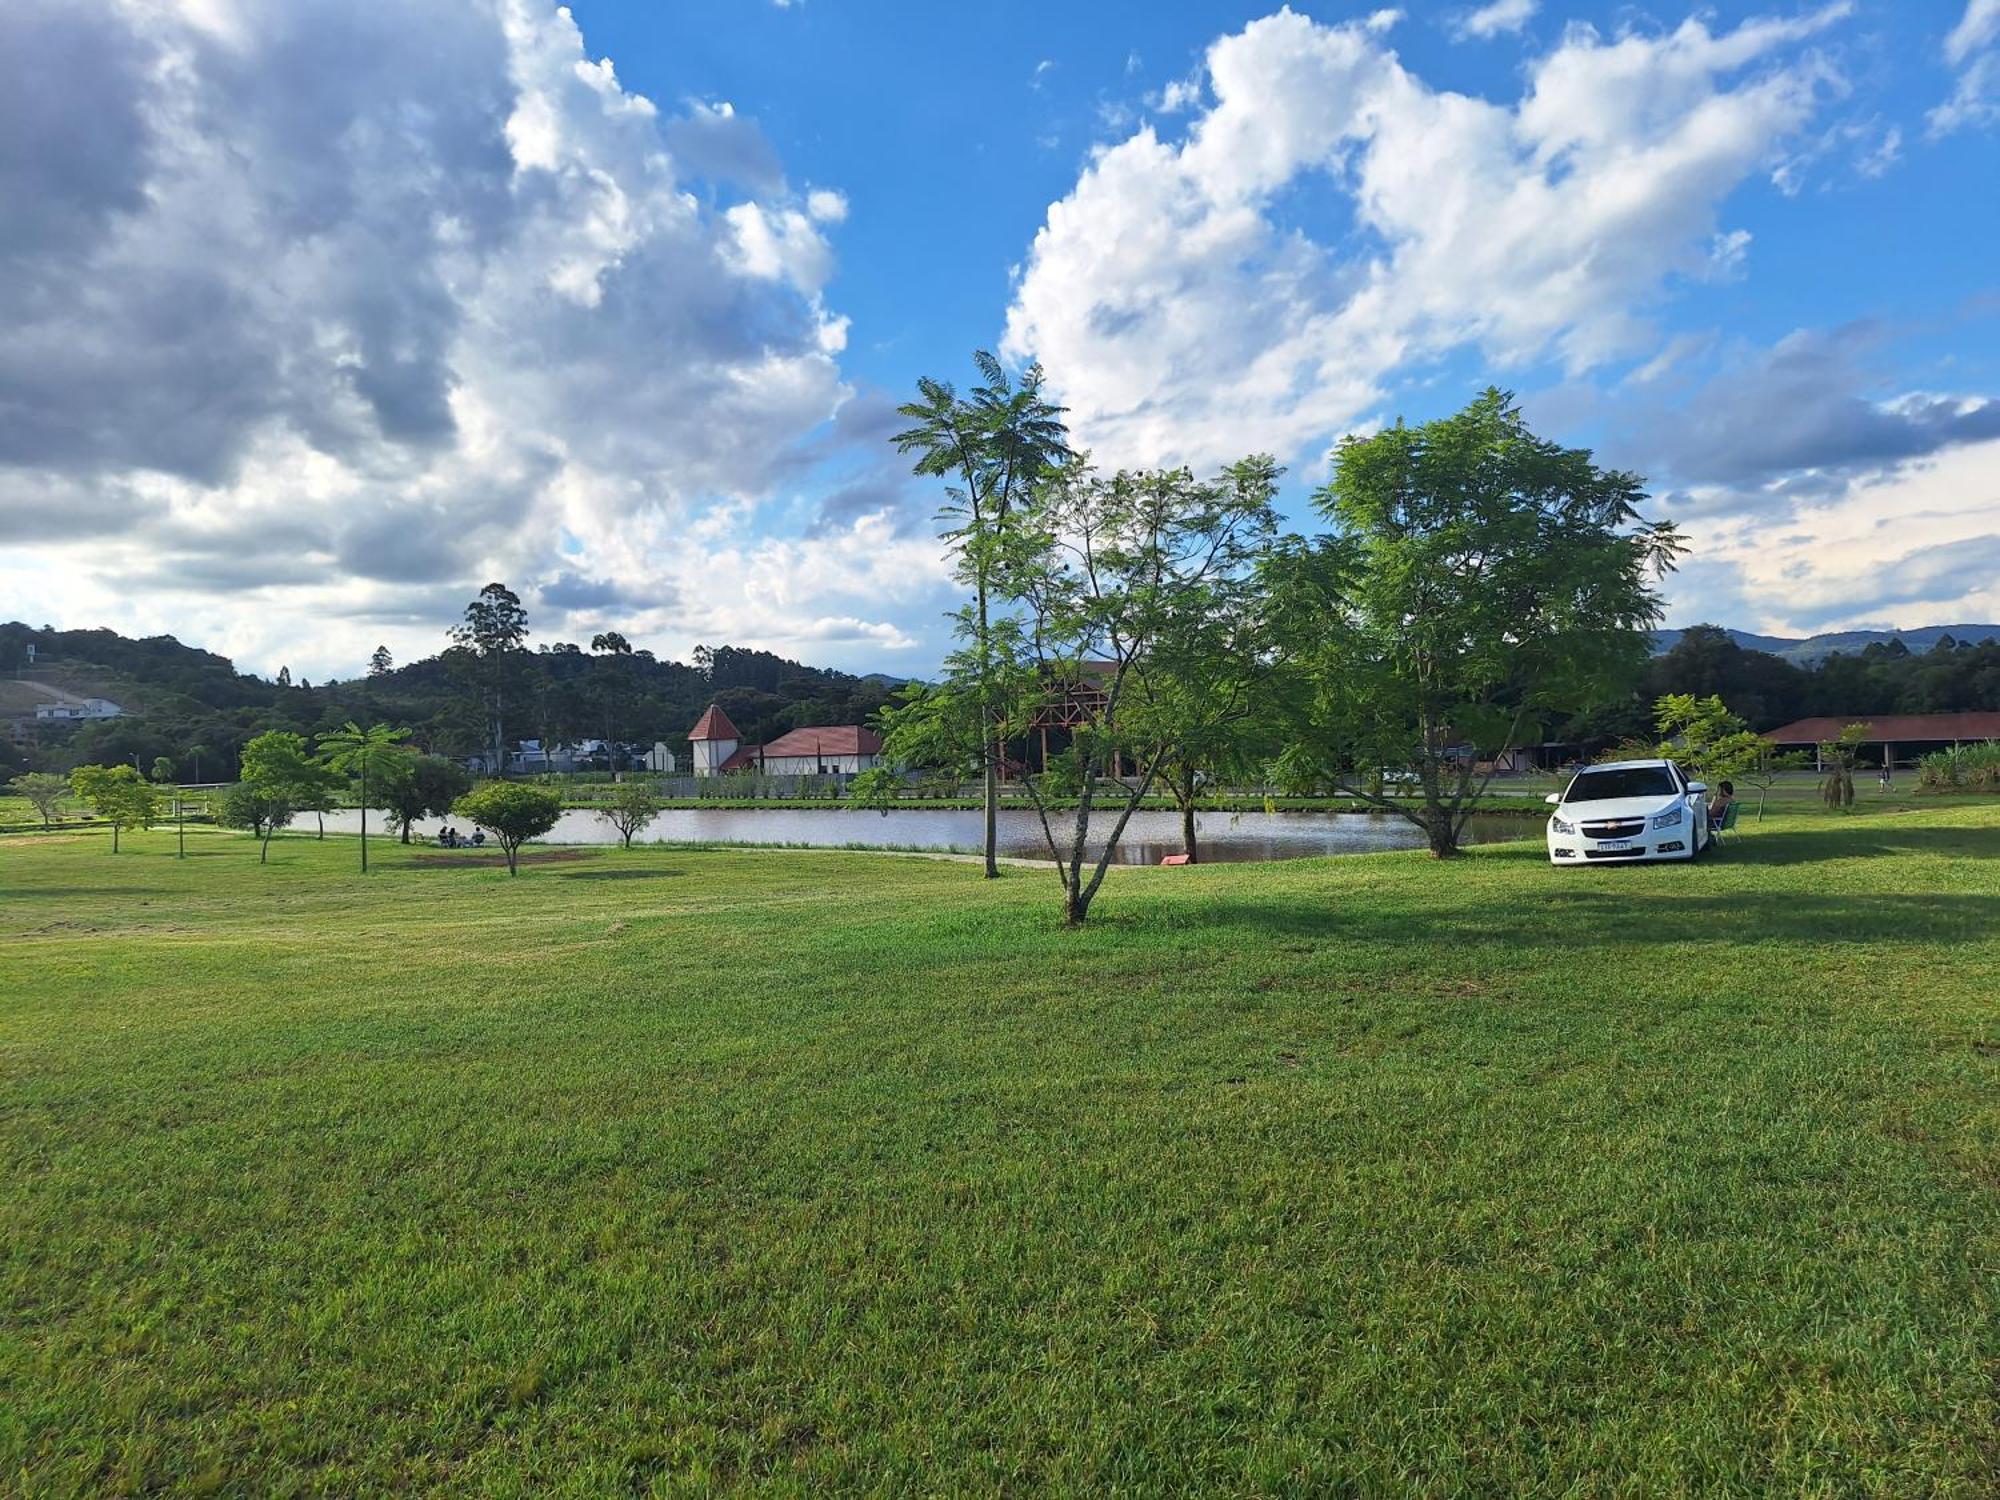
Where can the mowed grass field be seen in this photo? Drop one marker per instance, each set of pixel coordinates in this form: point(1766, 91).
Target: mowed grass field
point(684, 1171)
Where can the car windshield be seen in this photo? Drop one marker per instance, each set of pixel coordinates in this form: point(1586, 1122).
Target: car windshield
point(1621, 781)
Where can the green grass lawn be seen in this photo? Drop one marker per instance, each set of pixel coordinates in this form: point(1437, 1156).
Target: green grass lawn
point(678, 1171)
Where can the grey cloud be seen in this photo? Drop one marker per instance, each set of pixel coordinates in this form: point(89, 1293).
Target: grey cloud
point(1799, 409)
point(575, 591)
point(219, 573)
point(715, 142)
point(1945, 571)
point(311, 231)
point(70, 157)
point(44, 507)
point(873, 494)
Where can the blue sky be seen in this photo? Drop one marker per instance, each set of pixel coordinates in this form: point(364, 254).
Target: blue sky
point(322, 313)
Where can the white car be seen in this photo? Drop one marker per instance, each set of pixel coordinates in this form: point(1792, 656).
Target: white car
point(1630, 810)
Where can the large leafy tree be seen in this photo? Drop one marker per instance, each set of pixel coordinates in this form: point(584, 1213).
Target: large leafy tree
point(420, 786)
point(488, 658)
point(260, 808)
point(997, 444)
point(279, 779)
point(366, 755)
point(118, 795)
point(1480, 583)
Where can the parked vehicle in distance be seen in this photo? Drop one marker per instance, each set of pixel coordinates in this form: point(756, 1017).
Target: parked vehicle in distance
point(1633, 810)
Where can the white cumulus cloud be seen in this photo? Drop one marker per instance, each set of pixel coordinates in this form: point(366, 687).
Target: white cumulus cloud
point(1185, 314)
point(318, 314)
point(1491, 20)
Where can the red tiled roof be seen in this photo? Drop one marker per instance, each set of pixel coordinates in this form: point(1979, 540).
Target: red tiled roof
point(826, 739)
point(1893, 729)
point(819, 739)
point(714, 725)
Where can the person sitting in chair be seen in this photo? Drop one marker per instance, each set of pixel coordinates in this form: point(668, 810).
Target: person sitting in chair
point(1718, 803)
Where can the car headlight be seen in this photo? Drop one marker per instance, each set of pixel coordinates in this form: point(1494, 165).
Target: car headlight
point(1561, 827)
point(1669, 819)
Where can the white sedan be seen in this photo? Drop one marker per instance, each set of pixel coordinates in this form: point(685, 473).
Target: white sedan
point(1629, 810)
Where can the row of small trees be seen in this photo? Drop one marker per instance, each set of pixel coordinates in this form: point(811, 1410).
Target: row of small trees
point(282, 777)
point(1477, 586)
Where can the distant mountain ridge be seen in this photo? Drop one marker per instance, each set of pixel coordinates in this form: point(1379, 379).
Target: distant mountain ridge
point(1808, 650)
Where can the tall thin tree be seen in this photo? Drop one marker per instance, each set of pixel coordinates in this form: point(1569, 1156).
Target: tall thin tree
point(490, 638)
point(999, 442)
point(360, 753)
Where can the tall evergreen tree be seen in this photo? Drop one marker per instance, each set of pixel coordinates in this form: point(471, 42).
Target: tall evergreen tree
point(490, 640)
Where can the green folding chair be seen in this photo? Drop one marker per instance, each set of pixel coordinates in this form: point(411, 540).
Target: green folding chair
point(1728, 822)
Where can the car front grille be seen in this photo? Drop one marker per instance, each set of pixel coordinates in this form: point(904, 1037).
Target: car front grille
point(1629, 828)
point(1613, 853)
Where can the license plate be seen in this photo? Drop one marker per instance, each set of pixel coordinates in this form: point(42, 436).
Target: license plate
point(1617, 844)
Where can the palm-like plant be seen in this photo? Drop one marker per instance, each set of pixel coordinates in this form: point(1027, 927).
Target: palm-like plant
point(357, 752)
point(1000, 443)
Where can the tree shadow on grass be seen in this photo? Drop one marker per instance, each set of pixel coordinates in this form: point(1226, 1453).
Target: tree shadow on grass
point(1612, 919)
point(62, 892)
point(1863, 841)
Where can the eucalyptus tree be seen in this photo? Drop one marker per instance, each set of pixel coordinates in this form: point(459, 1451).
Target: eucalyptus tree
point(487, 657)
point(998, 443)
point(613, 687)
point(1480, 582)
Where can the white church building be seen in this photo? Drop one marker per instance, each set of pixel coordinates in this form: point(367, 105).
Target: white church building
point(820, 750)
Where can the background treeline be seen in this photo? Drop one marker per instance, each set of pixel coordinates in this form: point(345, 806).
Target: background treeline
point(1766, 691)
point(183, 699)
point(195, 709)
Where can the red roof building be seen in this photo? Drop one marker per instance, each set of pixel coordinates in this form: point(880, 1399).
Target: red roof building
point(714, 725)
point(817, 750)
point(1901, 736)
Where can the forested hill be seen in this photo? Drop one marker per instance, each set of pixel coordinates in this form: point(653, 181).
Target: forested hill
point(183, 700)
point(1810, 650)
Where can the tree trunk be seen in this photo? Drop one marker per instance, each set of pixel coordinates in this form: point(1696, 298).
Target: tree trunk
point(1443, 839)
point(994, 748)
point(1187, 832)
point(264, 850)
point(321, 818)
point(406, 832)
point(1076, 905)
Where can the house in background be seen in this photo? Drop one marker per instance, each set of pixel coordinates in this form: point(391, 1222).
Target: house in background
point(818, 750)
point(79, 708)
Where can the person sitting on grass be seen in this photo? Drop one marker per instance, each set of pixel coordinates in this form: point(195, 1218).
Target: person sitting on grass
point(1718, 803)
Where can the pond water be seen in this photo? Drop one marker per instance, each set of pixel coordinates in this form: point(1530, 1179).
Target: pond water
point(1148, 838)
